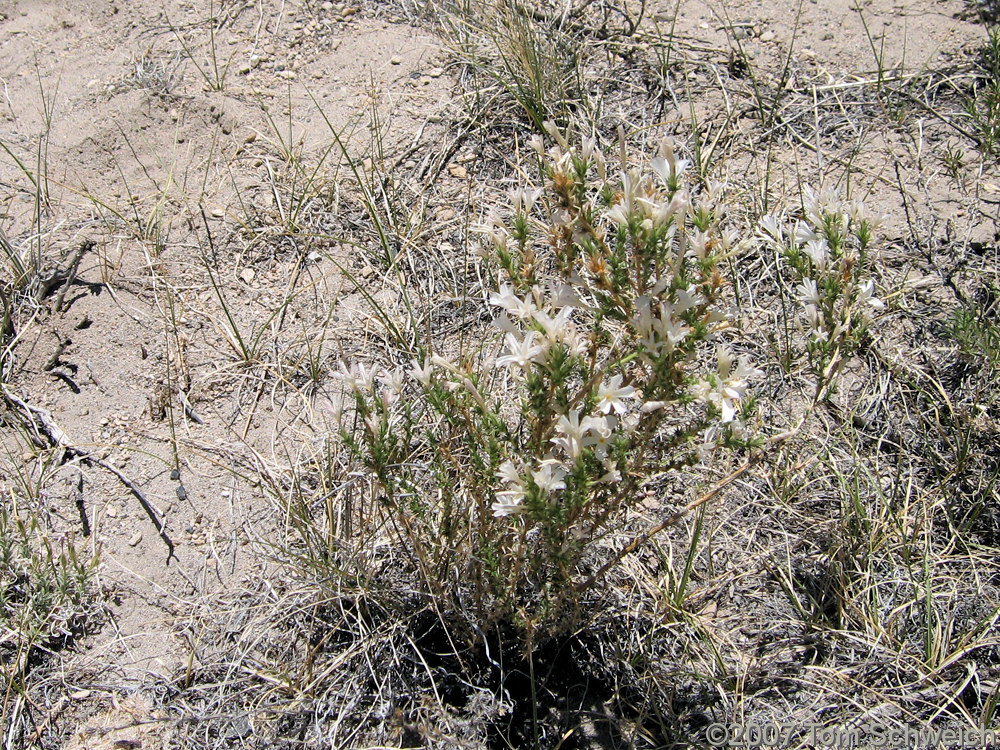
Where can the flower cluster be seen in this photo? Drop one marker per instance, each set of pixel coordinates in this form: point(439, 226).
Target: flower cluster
point(605, 339)
point(611, 366)
point(827, 251)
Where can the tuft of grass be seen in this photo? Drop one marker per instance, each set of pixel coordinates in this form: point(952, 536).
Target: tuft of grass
point(976, 331)
point(213, 70)
point(532, 58)
point(48, 598)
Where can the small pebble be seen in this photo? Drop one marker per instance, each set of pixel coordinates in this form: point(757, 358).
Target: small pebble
point(136, 538)
point(396, 60)
point(181, 492)
point(175, 474)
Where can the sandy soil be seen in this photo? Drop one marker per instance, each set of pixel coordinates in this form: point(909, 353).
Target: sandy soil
point(180, 171)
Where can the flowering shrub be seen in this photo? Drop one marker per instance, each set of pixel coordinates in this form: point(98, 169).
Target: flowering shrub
point(501, 472)
point(828, 254)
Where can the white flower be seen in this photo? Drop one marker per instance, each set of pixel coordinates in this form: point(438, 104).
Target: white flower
point(560, 295)
point(521, 352)
point(817, 327)
point(670, 332)
point(602, 166)
point(358, 378)
point(620, 214)
point(611, 476)
point(866, 291)
point(714, 192)
point(524, 199)
point(686, 299)
point(374, 424)
point(549, 476)
point(521, 309)
point(573, 432)
point(509, 500)
point(393, 382)
point(499, 236)
point(630, 423)
point(421, 374)
point(803, 233)
point(807, 292)
point(337, 410)
point(669, 168)
point(818, 207)
point(729, 239)
point(770, 226)
point(817, 250)
point(610, 395)
point(708, 444)
point(732, 383)
point(602, 430)
point(553, 130)
point(698, 243)
point(557, 328)
point(445, 364)
point(474, 392)
point(508, 503)
point(642, 321)
point(509, 473)
point(538, 145)
point(506, 325)
point(650, 406)
point(659, 212)
point(575, 343)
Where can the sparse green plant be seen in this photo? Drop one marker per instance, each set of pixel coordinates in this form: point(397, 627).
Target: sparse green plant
point(248, 346)
point(977, 334)
point(953, 162)
point(214, 70)
point(828, 256)
point(982, 106)
point(154, 72)
point(48, 597)
point(612, 293)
